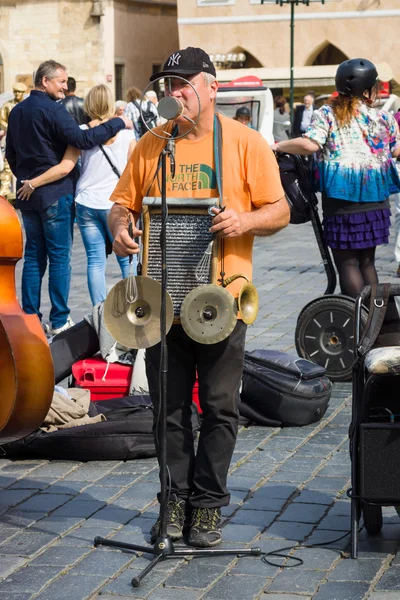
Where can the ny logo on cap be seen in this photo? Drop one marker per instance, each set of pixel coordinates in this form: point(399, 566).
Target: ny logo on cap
point(174, 59)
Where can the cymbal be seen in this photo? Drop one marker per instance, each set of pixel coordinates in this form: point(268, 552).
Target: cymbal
point(137, 324)
point(208, 314)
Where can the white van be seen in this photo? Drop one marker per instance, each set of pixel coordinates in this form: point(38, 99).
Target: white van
point(249, 91)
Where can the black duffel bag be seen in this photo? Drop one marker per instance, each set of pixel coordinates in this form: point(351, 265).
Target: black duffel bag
point(283, 390)
point(125, 435)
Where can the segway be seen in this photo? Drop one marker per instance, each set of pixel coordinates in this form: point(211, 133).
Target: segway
point(325, 326)
point(324, 330)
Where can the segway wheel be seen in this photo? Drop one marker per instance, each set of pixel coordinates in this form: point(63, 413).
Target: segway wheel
point(373, 520)
point(325, 334)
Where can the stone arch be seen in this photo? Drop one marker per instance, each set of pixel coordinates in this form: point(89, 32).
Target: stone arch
point(251, 61)
point(326, 54)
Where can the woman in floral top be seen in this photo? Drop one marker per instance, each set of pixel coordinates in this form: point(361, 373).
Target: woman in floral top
point(355, 170)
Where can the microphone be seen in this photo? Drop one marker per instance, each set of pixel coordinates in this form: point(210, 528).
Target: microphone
point(170, 108)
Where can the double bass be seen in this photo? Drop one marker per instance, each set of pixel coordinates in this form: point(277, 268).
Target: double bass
point(26, 366)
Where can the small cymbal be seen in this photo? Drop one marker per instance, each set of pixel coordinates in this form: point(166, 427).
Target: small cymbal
point(137, 324)
point(208, 314)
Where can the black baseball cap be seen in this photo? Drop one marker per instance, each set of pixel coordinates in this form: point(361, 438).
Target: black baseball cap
point(186, 62)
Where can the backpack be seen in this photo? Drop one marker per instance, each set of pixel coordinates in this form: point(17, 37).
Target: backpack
point(149, 118)
point(296, 179)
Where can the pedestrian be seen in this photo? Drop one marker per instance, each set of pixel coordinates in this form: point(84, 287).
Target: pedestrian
point(282, 125)
point(152, 96)
point(254, 205)
point(243, 115)
point(39, 131)
point(356, 171)
point(135, 109)
point(100, 171)
point(120, 107)
point(73, 103)
point(19, 90)
point(303, 114)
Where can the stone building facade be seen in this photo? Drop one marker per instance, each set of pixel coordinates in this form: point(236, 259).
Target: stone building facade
point(117, 42)
point(325, 34)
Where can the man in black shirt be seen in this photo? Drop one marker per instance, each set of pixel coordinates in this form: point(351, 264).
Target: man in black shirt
point(39, 131)
point(74, 104)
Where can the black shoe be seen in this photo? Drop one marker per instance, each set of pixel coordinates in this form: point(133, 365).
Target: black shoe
point(175, 517)
point(205, 527)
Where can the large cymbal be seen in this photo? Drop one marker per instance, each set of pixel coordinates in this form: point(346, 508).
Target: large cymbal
point(137, 325)
point(208, 314)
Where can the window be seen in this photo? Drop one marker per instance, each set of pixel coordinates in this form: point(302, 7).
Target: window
point(119, 81)
point(215, 2)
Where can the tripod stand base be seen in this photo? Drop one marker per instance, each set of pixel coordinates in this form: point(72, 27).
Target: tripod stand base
point(164, 548)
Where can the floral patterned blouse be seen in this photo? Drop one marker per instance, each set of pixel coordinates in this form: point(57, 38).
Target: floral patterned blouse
point(355, 162)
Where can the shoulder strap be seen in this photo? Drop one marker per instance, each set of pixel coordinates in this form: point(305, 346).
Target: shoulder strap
point(218, 157)
point(114, 168)
point(377, 310)
point(220, 180)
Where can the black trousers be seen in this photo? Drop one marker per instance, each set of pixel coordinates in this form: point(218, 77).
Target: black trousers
point(200, 477)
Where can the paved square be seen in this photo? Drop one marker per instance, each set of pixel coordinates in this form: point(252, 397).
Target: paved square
point(287, 485)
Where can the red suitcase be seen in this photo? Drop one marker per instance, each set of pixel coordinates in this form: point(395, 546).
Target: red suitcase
point(109, 380)
point(103, 380)
point(196, 396)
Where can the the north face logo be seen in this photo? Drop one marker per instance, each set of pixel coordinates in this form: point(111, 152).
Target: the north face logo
point(174, 59)
point(205, 65)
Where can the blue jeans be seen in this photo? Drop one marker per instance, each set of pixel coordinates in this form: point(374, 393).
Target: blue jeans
point(49, 235)
point(92, 223)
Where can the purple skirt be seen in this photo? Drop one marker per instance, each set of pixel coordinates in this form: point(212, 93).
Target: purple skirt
point(356, 231)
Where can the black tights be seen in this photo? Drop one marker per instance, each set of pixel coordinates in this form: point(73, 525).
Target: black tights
point(356, 269)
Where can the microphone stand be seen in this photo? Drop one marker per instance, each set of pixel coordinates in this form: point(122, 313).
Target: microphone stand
point(163, 547)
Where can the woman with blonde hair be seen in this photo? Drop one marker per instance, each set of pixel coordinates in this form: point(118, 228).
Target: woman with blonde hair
point(100, 171)
point(356, 173)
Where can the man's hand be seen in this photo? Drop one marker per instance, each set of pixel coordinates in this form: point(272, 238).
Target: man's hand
point(128, 122)
point(227, 223)
point(25, 191)
point(123, 244)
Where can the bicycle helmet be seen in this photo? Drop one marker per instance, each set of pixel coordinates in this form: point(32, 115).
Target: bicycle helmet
point(354, 76)
point(243, 111)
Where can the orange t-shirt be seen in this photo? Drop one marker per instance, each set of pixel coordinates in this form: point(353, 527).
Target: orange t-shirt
point(250, 180)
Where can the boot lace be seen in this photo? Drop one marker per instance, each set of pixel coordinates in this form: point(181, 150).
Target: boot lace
point(206, 518)
point(175, 510)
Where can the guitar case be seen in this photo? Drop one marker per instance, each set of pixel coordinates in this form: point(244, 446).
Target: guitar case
point(125, 435)
point(283, 390)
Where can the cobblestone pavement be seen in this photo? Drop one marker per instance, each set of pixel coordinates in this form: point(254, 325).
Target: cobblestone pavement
point(287, 485)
